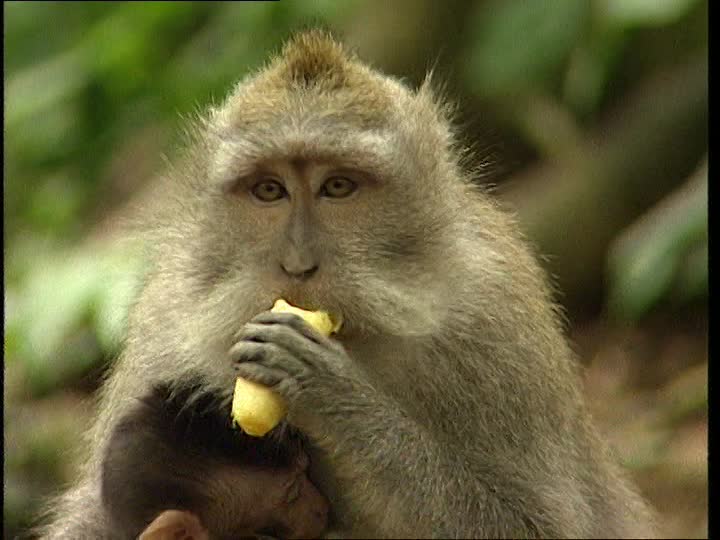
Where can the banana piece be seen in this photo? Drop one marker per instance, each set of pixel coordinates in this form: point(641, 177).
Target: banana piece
point(256, 408)
point(320, 320)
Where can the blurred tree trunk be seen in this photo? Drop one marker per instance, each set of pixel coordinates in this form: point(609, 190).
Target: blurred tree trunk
point(573, 209)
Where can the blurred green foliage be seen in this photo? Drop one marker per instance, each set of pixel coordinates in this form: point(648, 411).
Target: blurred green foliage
point(70, 309)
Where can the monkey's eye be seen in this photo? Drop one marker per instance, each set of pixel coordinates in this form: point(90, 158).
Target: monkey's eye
point(268, 191)
point(338, 187)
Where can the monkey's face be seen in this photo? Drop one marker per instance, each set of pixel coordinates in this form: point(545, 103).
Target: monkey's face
point(333, 235)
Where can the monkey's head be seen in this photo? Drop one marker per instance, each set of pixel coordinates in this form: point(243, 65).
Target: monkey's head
point(321, 181)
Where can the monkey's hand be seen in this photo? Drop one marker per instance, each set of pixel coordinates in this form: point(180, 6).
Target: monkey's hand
point(303, 366)
point(369, 439)
point(173, 525)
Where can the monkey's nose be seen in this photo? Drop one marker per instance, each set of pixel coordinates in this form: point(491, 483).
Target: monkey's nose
point(298, 272)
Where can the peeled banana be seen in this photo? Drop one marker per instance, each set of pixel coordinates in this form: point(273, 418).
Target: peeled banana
point(256, 408)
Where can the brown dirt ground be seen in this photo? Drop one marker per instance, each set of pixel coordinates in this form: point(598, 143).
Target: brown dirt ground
point(648, 388)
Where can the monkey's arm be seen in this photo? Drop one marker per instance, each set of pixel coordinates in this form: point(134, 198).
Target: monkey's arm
point(398, 477)
point(402, 482)
point(76, 514)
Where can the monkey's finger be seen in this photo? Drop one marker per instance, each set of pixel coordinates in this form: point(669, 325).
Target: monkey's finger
point(285, 361)
point(293, 321)
point(298, 345)
point(260, 374)
point(249, 351)
point(279, 380)
point(269, 356)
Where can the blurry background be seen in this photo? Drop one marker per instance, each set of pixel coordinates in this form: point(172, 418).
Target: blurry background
point(588, 117)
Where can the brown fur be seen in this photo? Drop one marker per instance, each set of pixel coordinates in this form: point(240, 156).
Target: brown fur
point(474, 424)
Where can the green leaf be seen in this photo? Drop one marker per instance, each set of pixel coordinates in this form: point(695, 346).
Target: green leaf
point(639, 281)
point(519, 45)
point(644, 12)
point(69, 313)
point(590, 68)
point(42, 87)
point(662, 254)
point(693, 275)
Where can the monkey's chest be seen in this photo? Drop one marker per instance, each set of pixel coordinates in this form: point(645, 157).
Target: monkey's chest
point(323, 475)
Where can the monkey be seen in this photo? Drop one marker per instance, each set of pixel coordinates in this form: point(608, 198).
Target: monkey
point(450, 404)
point(276, 496)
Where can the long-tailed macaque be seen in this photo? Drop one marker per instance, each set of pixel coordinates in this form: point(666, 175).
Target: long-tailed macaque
point(448, 406)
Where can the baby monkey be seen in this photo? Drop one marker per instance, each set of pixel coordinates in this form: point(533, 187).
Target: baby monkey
point(192, 459)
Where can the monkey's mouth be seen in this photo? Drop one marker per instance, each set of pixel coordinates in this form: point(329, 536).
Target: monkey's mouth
point(302, 302)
